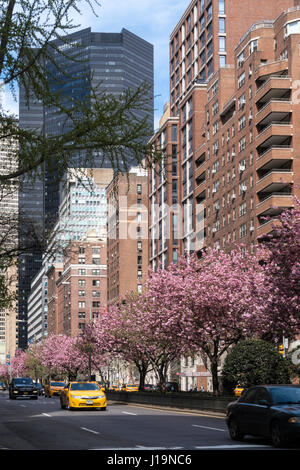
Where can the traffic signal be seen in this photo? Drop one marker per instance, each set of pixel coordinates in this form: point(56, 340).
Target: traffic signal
point(281, 349)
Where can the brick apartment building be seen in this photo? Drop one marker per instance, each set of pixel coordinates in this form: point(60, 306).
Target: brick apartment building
point(233, 91)
point(77, 287)
point(127, 234)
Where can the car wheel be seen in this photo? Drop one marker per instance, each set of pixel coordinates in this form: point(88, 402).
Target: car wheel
point(234, 430)
point(276, 435)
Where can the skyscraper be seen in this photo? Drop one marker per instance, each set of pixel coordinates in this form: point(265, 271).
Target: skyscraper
point(108, 62)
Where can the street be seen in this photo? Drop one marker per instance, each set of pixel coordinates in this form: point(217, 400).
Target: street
point(42, 425)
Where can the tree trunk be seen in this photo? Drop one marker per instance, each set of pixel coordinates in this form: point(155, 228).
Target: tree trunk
point(215, 378)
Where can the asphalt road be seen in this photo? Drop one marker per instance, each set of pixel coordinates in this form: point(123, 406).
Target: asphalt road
point(42, 425)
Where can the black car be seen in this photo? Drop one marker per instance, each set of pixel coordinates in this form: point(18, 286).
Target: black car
point(22, 387)
point(39, 388)
point(271, 411)
point(2, 386)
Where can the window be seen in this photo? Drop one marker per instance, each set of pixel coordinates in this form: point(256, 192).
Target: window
point(96, 272)
point(81, 282)
point(222, 44)
point(81, 304)
point(222, 25)
point(221, 7)
point(96, 304)
point(95, 282)
point(95, 260)
point(253, 46)
point(139, 288)
point(222, 61)
point(241, 80)
point(291, 28)
point(81, 272)
point(174, 133)
point(243, 209)
point(96, 251)
point(139, 189)
point(81, 293)
point(81, 314)
point(81, 260)
point(96, 293)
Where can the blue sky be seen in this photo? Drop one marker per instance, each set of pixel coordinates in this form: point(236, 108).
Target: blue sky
point(153, 20)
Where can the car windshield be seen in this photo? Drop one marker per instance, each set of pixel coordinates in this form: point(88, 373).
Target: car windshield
point(84, 386)
point(25, 381)
point(57, 384)
point(285, 395)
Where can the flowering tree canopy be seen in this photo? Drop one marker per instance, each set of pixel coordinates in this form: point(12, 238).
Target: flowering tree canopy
point(283, 274)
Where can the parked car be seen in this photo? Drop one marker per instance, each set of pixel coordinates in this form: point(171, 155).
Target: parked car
point(2, 386)
point(149, 387)
point(54, 388)
point(39, 388)
point(130, 388)
point(172, 387)
point(271, 411)
point(83, 395)
point(24, 387)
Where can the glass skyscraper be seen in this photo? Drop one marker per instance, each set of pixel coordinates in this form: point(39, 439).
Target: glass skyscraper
point(110, 62)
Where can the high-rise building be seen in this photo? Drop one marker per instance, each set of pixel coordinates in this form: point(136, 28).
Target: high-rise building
point(9, 195)
point(110, 62)
point(234, 91)
point(127, 234)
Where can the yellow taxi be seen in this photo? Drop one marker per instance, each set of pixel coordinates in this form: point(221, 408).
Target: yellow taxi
point(54, 388)
point(130, 388)
point(83, 395)
point(238, 390)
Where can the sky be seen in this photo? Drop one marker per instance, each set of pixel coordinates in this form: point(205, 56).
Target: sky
point(152, 20)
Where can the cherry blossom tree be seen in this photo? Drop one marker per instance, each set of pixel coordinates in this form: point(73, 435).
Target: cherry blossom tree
point(18, 364)
point(212, 303)
point(4, 373)
point(61, 356)
point(283, 275)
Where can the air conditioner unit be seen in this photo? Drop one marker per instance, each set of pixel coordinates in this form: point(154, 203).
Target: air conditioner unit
point(244, 188)
point(214, 230)
point(251, 228)
point(214, 190)
point(250, 117)
point(250, 73)
point(243, 102)
point(233, 196)
point(213, 171)
point(242, 168)
point(233, 154)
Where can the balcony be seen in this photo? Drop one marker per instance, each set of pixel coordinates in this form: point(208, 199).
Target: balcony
point(266, 227)
point(274, 134)
point(275, 87)
point(276, 67)
point(274, 181)
point(275, 157)
point(274, 204)
point(274, 111)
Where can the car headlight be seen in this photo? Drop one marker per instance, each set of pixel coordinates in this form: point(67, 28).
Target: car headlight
point(78, 397)
point(294, 419)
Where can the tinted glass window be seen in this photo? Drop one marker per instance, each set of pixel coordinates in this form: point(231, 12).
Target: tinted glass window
point(84, 386)
point(249, 396)
point(25, 381)
point(282, 395)
point(262, 394)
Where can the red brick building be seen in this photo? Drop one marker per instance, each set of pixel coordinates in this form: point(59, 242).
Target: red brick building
point(78, 287)
point(127, 234)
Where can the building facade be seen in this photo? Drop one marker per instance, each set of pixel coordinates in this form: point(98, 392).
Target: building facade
point(108, 62)
point(77, 287)
point(127, 234)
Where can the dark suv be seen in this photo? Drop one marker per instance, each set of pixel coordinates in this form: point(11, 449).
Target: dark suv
point(24, 387)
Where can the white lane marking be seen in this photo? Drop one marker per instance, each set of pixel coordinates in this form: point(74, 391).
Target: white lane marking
point(89, 430)
point(207, 427)
point(127, 413)
point(23, 406)
point(46, 414)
